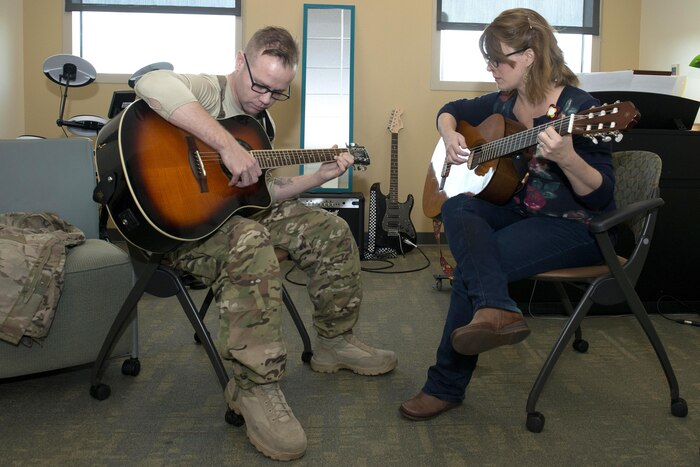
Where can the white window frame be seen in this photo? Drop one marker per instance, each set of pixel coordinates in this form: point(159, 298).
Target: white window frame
point(436, 84)
point(117, 78)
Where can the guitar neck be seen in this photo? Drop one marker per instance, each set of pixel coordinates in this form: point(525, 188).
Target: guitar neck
point(518, 141)
point(273, 158)
point(394, 180)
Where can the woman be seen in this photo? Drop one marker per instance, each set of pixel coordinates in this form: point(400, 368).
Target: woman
point(544, 225)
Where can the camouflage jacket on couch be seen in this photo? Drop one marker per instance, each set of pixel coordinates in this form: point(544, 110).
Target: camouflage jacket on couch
point(32, 259)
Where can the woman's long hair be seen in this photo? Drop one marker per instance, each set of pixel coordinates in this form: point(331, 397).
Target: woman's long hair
point(522, 28)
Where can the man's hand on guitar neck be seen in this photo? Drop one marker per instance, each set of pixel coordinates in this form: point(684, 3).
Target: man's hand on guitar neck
point(288, 187)
point(330, 170)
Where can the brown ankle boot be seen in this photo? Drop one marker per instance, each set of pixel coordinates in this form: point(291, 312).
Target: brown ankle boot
point(490, 328)
point(424, 407)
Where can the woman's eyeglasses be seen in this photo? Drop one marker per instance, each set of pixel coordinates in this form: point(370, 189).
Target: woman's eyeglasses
point(496, 63)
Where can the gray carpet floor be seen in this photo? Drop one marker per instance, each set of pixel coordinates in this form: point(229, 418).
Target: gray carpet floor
point(609, 406)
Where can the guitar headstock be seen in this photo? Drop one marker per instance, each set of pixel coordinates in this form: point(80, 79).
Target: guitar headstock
point(606, 121)
point(359, 153)
point(395, 123)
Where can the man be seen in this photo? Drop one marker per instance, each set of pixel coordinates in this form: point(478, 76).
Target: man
point(239, 261)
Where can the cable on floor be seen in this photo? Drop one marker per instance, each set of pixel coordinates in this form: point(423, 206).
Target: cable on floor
point(378, 270)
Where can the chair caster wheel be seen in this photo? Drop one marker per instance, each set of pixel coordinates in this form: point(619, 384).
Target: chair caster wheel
point(100, 391)
point(535, 422)
point(679, 407)
point(232, 418)
point(131, 367)
point(580, 345)
point(438, 284)
point(306, 356)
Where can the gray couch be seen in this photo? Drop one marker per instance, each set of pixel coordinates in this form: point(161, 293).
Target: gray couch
point(58, 175)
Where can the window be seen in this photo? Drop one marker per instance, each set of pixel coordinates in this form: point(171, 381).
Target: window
point(457, 60)
point(119, 37)
point(327, 83)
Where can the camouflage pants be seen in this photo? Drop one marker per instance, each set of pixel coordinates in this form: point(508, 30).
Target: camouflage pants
point(239, 262)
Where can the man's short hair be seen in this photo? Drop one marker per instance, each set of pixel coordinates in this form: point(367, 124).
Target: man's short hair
point(274, 41)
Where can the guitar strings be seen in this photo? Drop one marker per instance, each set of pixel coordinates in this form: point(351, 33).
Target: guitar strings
point(495, 149)
point(268, 158)
point(520, 140)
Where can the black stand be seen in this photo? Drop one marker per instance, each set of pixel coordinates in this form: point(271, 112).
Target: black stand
point(162, 281)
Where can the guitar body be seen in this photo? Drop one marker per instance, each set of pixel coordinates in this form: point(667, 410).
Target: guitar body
point(497, 165)
point(394, 225)
point(154, 190)
point(396, 222)
point(496, 180)
point(162, 186)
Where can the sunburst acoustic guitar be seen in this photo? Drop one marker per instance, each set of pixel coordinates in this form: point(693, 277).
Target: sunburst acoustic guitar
point(163, 186)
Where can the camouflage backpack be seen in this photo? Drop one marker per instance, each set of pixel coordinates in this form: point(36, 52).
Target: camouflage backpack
point(32, 259)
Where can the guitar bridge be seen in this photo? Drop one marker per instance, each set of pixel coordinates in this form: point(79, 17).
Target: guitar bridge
point(197, 165)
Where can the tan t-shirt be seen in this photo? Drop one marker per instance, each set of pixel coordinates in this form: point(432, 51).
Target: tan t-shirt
point(173, 90)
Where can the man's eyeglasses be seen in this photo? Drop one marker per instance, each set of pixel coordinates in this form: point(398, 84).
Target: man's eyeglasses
point(262, 89)
point(496, 63)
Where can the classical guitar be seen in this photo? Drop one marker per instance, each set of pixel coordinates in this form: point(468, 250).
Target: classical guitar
point(489, 175)
point(396, 225)
point(163, 186)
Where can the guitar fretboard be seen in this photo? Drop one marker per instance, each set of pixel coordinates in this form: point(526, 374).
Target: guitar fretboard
point(515, 142)
point(272, 158)
point(394, 180)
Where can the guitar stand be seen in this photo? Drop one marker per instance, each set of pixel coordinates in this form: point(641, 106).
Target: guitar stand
point(162, 281)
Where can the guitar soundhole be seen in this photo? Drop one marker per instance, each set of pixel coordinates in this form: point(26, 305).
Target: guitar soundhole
point(226, 171)
point(245, 145)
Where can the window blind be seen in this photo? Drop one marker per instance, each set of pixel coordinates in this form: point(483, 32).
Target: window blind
point(205, 7)
point(570, 16)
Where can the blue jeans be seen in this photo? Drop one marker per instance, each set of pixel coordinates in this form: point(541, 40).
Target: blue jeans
point(492, 246)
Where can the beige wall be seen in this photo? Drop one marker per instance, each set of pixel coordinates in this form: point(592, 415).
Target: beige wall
point(671, 36)
point(620, 31)
point(11, 70)
point(392, 68)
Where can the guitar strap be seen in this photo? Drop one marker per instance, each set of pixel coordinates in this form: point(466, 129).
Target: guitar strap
point(447, 269)
point(101, 195)
point(371, 251)
point(372, 223)
point(222, 88)
point(263, 118)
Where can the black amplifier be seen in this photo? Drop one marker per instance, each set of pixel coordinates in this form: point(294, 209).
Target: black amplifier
point(349, 206)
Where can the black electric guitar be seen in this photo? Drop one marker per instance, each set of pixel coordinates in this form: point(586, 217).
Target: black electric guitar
point(162, 186)
point(395, 229)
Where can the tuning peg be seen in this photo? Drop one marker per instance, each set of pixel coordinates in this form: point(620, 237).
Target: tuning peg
point(606, 138)
point(594, 139)
point(618, 137)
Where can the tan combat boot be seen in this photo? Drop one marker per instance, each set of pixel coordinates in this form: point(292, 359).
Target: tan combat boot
point(348, 352)
point(270, 424)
